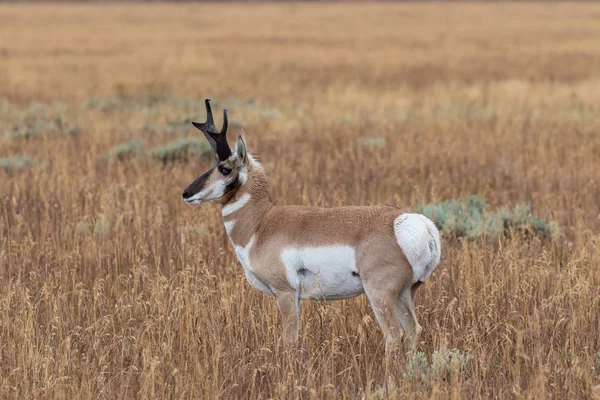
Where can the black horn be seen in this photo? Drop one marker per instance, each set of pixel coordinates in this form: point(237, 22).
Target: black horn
point(218, 141)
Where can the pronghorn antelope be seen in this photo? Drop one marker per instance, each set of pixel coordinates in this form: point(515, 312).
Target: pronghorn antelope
point(298, 252)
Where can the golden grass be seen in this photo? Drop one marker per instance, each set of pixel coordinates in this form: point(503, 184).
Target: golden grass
point(111, 287)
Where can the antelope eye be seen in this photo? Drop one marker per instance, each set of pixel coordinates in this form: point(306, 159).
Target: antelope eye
point(224, 171)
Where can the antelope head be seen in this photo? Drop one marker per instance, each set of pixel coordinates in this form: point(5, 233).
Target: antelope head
point(230, 169)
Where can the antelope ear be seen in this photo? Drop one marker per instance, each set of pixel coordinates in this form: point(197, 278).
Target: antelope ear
point(240, 149)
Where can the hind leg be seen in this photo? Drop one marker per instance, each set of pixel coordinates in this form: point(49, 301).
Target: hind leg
point(413, 289)
point(408, 318)
point(382, 289)
point(383, 308)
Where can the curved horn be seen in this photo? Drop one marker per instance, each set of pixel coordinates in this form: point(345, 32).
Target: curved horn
point(209, 125)
point(225, 123)
point(218, 141)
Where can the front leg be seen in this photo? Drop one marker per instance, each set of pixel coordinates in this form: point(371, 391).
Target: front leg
point(288, 303)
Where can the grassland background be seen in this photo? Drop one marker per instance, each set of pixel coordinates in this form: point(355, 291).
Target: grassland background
point(111, 287)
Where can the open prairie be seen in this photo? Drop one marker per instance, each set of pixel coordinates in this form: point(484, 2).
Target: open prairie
point(111, 287)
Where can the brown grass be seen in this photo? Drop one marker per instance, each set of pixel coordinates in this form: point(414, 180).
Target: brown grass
point(111, 287)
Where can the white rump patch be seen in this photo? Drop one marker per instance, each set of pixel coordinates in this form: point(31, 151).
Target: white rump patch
point(322, 272)
point(243, 255)
point(236, 205)
point(419, 239)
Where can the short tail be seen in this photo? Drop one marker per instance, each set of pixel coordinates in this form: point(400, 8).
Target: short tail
point(419, 239)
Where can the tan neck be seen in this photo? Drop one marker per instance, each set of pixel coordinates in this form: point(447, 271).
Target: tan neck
point(246, 209)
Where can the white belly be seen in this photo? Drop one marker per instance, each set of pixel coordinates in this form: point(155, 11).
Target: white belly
point(327, 272)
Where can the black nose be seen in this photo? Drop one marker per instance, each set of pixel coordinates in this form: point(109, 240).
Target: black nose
point(186, 194)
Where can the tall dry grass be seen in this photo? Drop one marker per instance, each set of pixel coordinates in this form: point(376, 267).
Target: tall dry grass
point(110, 287)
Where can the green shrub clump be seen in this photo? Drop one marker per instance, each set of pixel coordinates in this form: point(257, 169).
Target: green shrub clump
point(37, 127)
point(125, 151)
point(469, 218)
point(443, 364)
point(181, 150)
point(376, 142)
point(15, 164)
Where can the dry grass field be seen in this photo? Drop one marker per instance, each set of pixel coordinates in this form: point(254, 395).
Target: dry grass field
point(111, 287)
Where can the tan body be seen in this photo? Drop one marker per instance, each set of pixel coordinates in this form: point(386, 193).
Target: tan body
point(367, 230)
point(296, 252)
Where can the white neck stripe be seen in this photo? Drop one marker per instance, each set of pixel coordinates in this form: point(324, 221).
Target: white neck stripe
point(233, 207)
point(229, 226)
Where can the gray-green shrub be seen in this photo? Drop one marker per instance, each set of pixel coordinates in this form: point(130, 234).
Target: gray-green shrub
point(443, 364)
point(125, 151)
point(375, 142)
point(469, 218)
point(15, 164)
point(181, 150)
